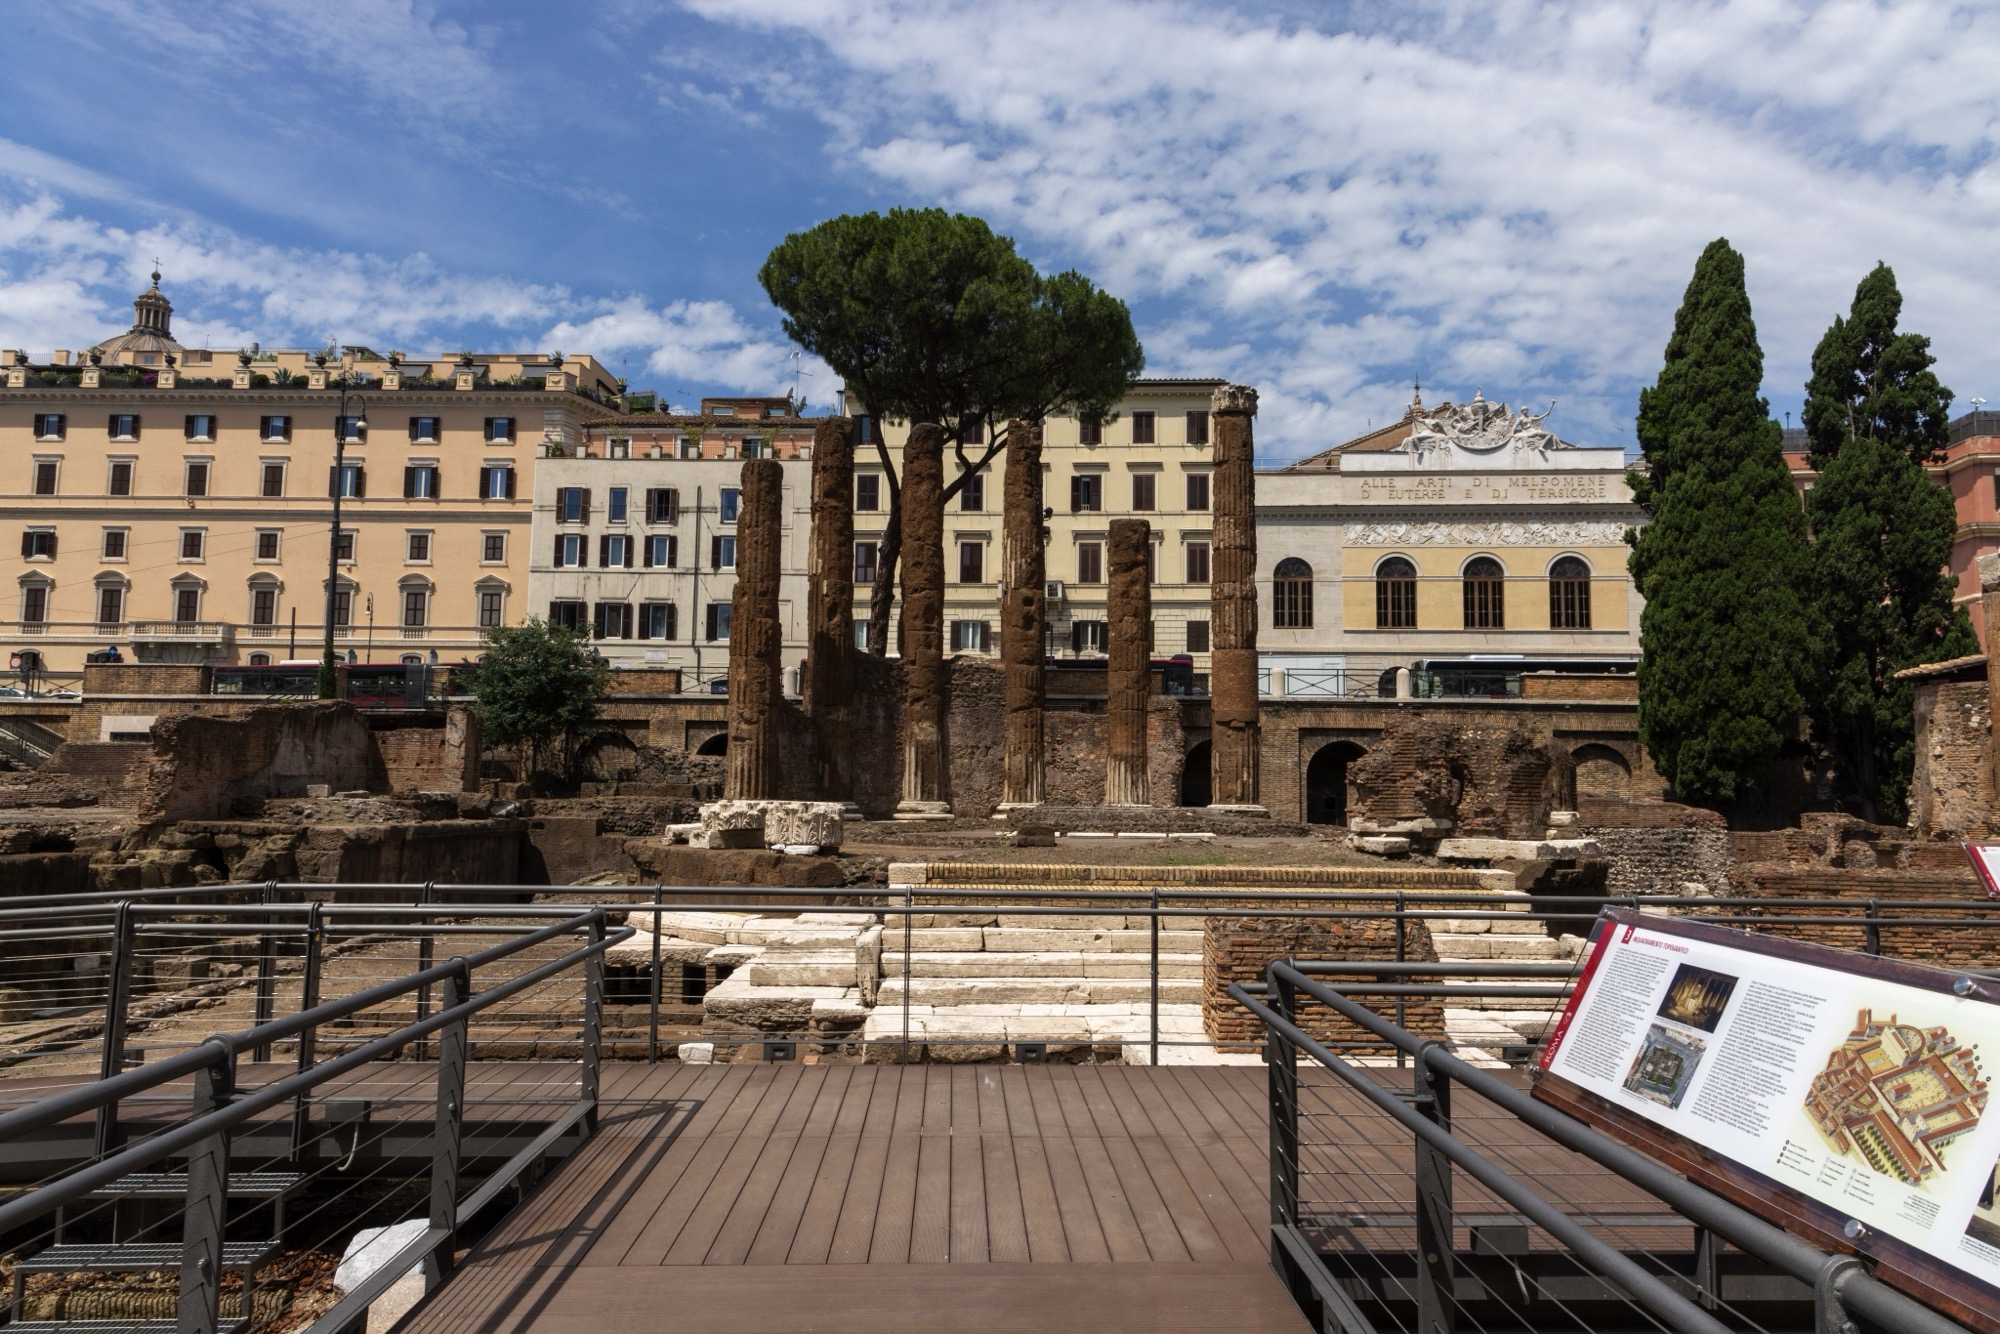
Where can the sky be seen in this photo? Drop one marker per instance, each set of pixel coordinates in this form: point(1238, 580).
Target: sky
point(1327, 202)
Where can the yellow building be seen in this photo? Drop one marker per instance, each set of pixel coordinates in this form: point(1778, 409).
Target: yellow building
point(1151, 461)
point(175, 504)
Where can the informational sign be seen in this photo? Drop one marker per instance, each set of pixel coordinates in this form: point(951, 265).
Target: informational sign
point(1986, 862)
point(1842, 1095)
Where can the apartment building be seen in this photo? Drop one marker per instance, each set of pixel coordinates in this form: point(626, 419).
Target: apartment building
point(633, 538)
point(175, 504)
point(1151, 461)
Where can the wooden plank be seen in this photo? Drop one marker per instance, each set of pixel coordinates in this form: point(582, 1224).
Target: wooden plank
point(1084, 1233)
point(854, 1229)
point(1122, 1234)
point(896, 1203)
point(748, 1150)
point(931, 1213)
point(1006, 1220)
point(1041, 1213)
point(969, 1235)
point(819, 1218)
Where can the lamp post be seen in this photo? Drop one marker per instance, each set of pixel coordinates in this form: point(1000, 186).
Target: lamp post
point(328, 676)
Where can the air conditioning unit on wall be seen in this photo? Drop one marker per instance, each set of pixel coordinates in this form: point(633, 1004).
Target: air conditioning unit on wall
point(1052, 591)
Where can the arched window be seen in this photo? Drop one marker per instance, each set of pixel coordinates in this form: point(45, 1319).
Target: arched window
point(1569, 595)
point(1396, 595)
point(1292, 595)
point(1485, 594)
point(260, 660)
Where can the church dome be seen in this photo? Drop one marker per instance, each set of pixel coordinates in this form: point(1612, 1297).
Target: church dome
point(151, 334)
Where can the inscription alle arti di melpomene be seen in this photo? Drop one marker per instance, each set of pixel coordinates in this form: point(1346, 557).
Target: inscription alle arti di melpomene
point(1501, 489)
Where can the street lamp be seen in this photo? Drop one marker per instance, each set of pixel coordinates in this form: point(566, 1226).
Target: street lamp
point(328, 676)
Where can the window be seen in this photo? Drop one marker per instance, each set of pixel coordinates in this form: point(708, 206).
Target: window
point(972, 562)
point(971, 637)
point(662, 552)
point(718, 621)
point(350, 429)
point(192, 542)
point(618, 447)
point(1197, 491)
point(866, 556)
point(1142, 492)
point(659, 620)
point(1569, 595)
point(722, 552)
point(416, 607)
point(1142, 428)
point(972, 430)
point(1197, 636)
point(196, 481)
point(120, 481)
point(424, 429)
point(496, 482)
point(49, 425)
point(731, 499)
point(347, 481)
point(1090, 562)
point(187, 605)
point(199, 426)
point(114, 543)
point(1197, 426)
point(572, 504)
point(34, 604)
point(1196, 558)
point(491, 603)
point(570, 550)
point(343, 607)
point(1292, 595)
point(614, 551)
point(274, 479)
point(110, 606)
point(45, 477)
point(500, 429)
point(864, 430)
point(614, 620)
point(1485, 593)
point(663, 505)
point(972, 496)
point(1086, 493)
point(569, 615)
point(263, 606)
point(419, 549)
point(1086, 636)
point(274, 428)
point(615, 505)
point(260, 660)
point(867, 492)
point(420, 481)
point(38, 544)
point(861, 634)
point(343, 546)
point(493, 548)
point(1396, 595)
point(267, 544)
point(1089, 432)
point(124, 426)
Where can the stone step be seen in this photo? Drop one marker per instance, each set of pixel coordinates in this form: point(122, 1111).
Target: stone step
point(832, 968)
point(1036, 1023)
point(1058, 964)
point(1524, 1026)
point(1511, 924)
point(1039, 940)
point(942, 991)
point(1490, 946)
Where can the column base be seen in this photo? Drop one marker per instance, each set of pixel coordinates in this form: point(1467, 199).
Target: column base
point(922, 810)
point(1007, 808)
point(849, 811)
point(1251, 810)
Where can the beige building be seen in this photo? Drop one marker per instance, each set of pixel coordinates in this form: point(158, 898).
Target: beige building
point(1151, 461)
point(1465, 543)
point(175, 504)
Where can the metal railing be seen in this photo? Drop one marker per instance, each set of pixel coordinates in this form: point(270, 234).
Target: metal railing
point(1596, 1267)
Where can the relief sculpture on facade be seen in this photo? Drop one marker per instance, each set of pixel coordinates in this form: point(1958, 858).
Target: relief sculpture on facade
point(1479, 427)
point(1494, 533)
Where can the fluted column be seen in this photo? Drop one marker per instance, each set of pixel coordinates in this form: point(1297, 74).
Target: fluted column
point(828, 687)
point(756, 638)
point(1232, 673)
point(1023, 616)
point(921, 631)
point(1129, 674)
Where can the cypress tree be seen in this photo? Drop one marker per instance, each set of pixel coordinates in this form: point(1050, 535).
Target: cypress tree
point(1725, 639)
point(1882, 531)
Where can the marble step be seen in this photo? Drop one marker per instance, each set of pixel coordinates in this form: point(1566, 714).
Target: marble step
point(1041, 964)
point(948, 991)
point(1488, 945)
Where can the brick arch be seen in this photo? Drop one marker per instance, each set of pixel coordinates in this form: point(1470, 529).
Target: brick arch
point(1602, 770)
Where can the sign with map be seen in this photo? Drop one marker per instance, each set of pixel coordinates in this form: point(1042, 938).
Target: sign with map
point(1986, 865)
point(1842, 1095)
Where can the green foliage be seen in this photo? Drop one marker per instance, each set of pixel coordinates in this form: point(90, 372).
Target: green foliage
point(1725, 639)
point(1871, 383)
point(538, 688)
point(1882, 531)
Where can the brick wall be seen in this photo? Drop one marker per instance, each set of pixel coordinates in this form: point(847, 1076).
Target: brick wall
point(1951, 791)
point(442, 756)
point(1940, 946)
point(145, 678)
point(1663, 860)
point(210, 768)
point(1239, 949)
point(1557, 685)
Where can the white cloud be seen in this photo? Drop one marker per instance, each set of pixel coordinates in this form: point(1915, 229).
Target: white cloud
point(1510, 195)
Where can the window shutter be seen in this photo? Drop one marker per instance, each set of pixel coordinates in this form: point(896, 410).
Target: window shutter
point(586, 504)
point(409, 483)
point(413, 429)
point(27, 545)
point(673, 506)
point(510, 482)
point(557, 560)
point(285, 428)
point(1075, 494)
point(187, 427)
point(135, 426)
point(111, 425)
point(489, 428)
point(604, 550)
point(645, 622)
point(985, 637)
point(628, 553)
point(673, 553)
point(1076, 637)
point(360, 482)
point(646, 562)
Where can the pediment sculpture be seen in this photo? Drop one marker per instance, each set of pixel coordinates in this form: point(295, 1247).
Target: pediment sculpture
point(1479, 427)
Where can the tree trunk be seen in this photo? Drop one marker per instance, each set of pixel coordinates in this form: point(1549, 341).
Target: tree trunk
point(882, 597)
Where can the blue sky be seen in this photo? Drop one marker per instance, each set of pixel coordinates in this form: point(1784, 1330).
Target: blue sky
point(1322, 201)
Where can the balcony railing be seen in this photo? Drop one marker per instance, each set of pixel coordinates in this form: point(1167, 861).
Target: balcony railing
point(223, 631)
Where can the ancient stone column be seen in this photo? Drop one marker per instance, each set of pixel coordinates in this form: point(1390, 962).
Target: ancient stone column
point(1023, 616)
point(828, 687)
point(1232, 673)
point(756, 686)
point(1989, 591)
point(921, 630)
point(1129, 675)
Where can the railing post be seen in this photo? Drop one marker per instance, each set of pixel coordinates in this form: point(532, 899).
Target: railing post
point(1437, 1305)
point(593, 1020)
point(309, 1038)
point(1707, 1268)
point(446, 1143)
point(426, 960)
point(117, 1005)
point(207, 1206)
point(267, 969)
point(1402, 956)
point(1153, 1057)
point(1282, 1075)
point(653, 1004)
point(1829, 1311)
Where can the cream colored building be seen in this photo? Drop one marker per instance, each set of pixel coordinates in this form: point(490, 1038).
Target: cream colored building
point(175, 504)
point(1465, 537)
point(1152, 461)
